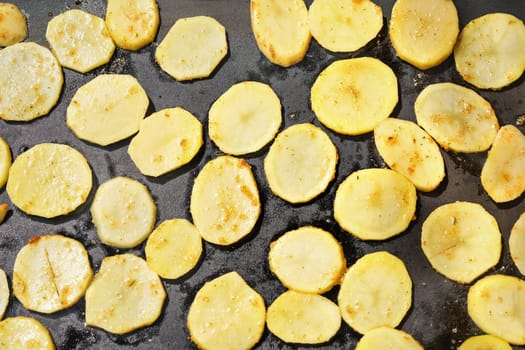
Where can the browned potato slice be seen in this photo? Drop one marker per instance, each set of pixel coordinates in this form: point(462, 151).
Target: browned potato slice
point(5, 162)
point(4, 293)
point(20, 332)
point(517, 243)
point(13, 25)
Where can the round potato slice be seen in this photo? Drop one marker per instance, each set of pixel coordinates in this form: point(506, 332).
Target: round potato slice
point(123, 212)
point(375, 291)
point(51, 273)
point(458, 118)
point(484, 342)
point(107, 109)
point(13, 24)
point(517, 243)
point(303, 318)
point(4, 293)
point(344, 25)
point(49, 180)
point(125, 295)
point(25, 98)
point(167, 140)
point(22, 332)
point(226, 314)
point(308, 259)
point(300, 163)
point(5, 161)
point(388, 338)
point(490, 51)
point(344, 96)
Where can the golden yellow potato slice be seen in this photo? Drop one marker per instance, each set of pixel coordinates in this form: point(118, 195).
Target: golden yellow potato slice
point(387, 338)
point(502, 174)
point(345, 95)
point(13, 25)
point(225, 201)
point(423, 33)
point(51, 273)
point(375, 291)
point(245, 118)
point(25, 98)
point(300, 163)
point(409, 150)
point(49, 180)
point(281, 30)
point(107, 109)
point(125, 295)
point(484, 342)
point(167, 140)
point(490, 51)
point(5, 161)
point(22, 332)
point(226, 314)
point(173, 248)
point(303, 318)
point(458, 118)
point(132, 24)
point(517, 243)
point(461, 240)
point(193, 48)
point(344, 25)
point(123, 212)
point(4, 293)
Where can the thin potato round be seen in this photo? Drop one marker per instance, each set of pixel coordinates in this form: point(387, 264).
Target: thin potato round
point(4, 293)
point(517, 243)
point(388, 338)
point(13, 24)
point(484, 342)
point(22, 332)
point(5, 161)
point(344, 96)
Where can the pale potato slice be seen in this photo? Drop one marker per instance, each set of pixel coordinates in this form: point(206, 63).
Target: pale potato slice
point(517, 243)
point(225, 201)
point(458, 118)
point(51, 273)
point(308, 260)
point(409, 150)
point(303, 318)
point(345, 95)
point(49, 180)
point(132, 24)
point(281, 30)
point(167, 140)
point(375, 204)
point(461, 240)
point(22, 332)
point(423, 33)
point(4, 293)
point(375, 291)
point(5, 161)
point(301, 163)
point(174, 248)
point(490, 51)
point(344, 25)
point(125, 295)
point(502, 174)
point(496, 304)
point(80, 40)
point(193, 48)
point(107, 109)
point(31, 80)
point(387, 338)
point(13, 24)
point(245, 118)
point(226, 314)
point(484, 342)
point(123, 212)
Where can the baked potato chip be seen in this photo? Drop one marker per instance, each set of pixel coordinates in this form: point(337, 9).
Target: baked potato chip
point(388, 338)
point(4, 293)
point(5, 161)
point(22, 332)
point(484, 342)
point(517, 243)
point(13, 24)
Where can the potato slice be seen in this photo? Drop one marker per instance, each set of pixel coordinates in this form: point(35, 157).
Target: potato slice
point(51, 273)
point(245, 118)
point(123, 212)
point(344, 96)
point(375, 204)
point(409, 150)
point(107, 109)
point(300, 163)
point(496, 304)
point(173, 248)
point(22, 332)
point(517, 243)
point(502, 173)
point(226, 314)
point(49, 180)
point(4, 208)
point(4, 293)
point(281, 30)
point(458, 118)
point(461, 240)
point(344, 25)
point(490, 51)
point(375, 291)
point(125, 295)
point(167, 140)
point(13, 24)
point(5, 161)
point(225, 201)
point(423, 33)
point(308, 260)
point(25, 98)
point(193, 48)
point(388, 338)
point(484, 342)
point(303, 318)
point(132, 24)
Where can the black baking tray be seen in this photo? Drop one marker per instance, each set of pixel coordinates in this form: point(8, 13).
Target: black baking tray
point(438, 317)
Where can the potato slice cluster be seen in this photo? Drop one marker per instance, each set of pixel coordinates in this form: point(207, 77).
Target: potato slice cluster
point(5, 161)
point(13, 24)
point(22, 332)
point(517, 243)
point(4, 293)
point(485, 341)
point(388, 338)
